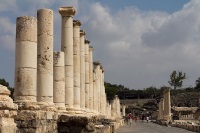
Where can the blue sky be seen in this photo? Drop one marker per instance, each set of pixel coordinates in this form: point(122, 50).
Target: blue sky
point(139, 42)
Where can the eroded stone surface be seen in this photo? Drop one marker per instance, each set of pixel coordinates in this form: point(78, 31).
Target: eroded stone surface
point(7, 112)
point(26, 58)
point(45, 56)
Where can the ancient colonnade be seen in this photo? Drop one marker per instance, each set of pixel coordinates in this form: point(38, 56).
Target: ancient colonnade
point(56, 91)
point(67, 79)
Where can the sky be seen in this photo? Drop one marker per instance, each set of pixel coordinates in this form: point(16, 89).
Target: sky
point(138, 42)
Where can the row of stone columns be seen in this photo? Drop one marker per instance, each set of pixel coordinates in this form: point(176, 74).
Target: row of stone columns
point(67, 79)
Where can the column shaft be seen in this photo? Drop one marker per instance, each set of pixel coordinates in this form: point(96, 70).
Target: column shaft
point(26, 59)
point(82, 82)
point(95, 103)
point(123, 110)
point(91, 97)
point(100, 88)
point(167, 105)
point(87, 85)
point(59, 80)
point(45, 56)
point(96, 86)
point(161, 109)
point(77, 62)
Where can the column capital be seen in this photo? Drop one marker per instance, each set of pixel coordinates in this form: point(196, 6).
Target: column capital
point(101, 67)
point(87, 41)
point(96, 63)
point(67, 11)
point(82, 33)
point(91, 48)
point(76, 23)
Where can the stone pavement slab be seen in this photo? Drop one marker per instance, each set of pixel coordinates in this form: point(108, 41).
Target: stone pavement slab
point(144, 127)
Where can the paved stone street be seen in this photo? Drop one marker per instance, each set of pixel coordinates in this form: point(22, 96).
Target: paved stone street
point(150, 127)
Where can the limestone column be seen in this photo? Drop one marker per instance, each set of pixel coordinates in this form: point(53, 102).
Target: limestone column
point(103, 94)
point(161, 109)
point(96, 86)
point(167, 105)
point(77, 67)
point(82, 82)
point(113, 108)
point(100, 89)
point(91, 94)
point(26, 59)
point(95, 103)
point(67, 14)
point(45, 56)
point(59, 80)
point(123, 110)
point(87, 79)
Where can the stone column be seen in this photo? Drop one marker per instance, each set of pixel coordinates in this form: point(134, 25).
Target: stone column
point(108, 110)
point(161, 109)
point(115, 107)
point(59, 80)
point(103, 94)
point(123, 110)
point(26, 59)
point(167, 105)
point(45, 56)
point(77, 66)
point(100, 90)
point(82, 82)
point(97, 86)
point(91, 94)
point(87, 79)
point(67, 14)
point(95, 90)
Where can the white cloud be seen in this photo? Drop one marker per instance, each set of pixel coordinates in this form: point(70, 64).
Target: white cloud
point(141, 48)
point(7, 33)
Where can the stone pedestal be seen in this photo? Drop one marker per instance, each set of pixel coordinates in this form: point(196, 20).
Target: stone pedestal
point(45, 56)
point(8, 110)
point(26, 59)
point(82, 71)
point(76, 64)
point(59, 80)
point(67, 14)
point(87, 79)
point(91, 94)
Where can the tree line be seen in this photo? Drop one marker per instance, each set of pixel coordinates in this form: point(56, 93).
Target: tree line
point(175, 81)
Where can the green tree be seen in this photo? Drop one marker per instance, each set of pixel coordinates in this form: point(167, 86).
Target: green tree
point(176, 79)
point(197, 83)
point(151, 92)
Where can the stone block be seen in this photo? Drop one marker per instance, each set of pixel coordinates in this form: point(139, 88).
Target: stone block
point(26, 54)
point(49, 115)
